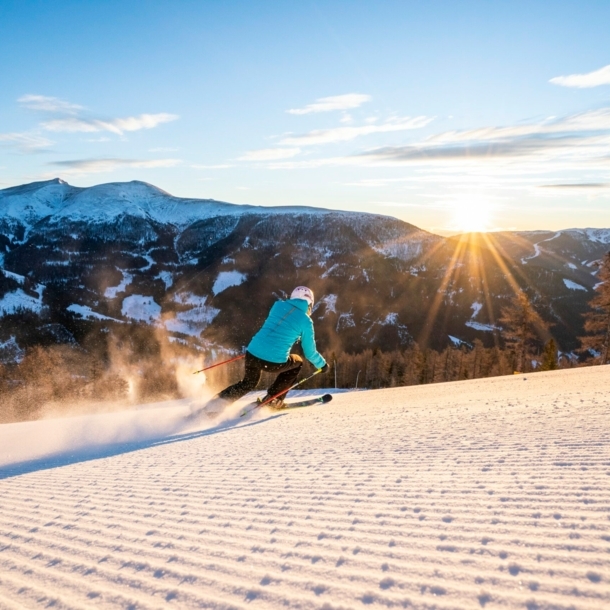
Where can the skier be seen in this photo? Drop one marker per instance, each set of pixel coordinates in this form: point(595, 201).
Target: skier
point(269, 351)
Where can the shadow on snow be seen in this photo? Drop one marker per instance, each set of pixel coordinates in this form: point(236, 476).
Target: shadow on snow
point(104, 451)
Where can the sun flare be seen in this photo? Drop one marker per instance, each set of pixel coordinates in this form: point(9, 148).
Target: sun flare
point(471, 214)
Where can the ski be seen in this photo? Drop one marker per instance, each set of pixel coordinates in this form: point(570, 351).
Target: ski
point(291, 405)
point(307, 403)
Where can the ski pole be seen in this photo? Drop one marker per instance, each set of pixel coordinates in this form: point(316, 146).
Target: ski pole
point(292, 387)
point(220, 363)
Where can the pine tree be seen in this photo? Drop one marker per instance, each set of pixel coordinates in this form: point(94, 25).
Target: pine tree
point(549, 356)
point(477, 358)
point(597, 321)
point(520, 322)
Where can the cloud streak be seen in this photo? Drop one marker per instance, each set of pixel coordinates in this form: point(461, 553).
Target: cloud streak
point(569, 141)
point(336, 102)
point(25, 142)
point(345, 134)
point(217, 166)
point(66, 117)
point(94, 166)
point(580, 136)
point(117, 126)
point(44, 103)
point(584, 81)
point(581, 185)
point(269, 154)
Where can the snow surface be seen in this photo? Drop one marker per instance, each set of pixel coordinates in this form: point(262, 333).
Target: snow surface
point(150, 260)
point(537, 249)
point(166, 277)
point(15, 276)
point(601, 236)
point(10, 351)
point(391, 319)
point(112, 291)
point(345, 320)
point(139, 307)
point(476, 308)
point(192, 321)
point(330, 302)
point(472, 323)
point(481, 326)
point(457, 342)
point(489, 493)
point(18, 299)
point(86, 312)
point(61, 203)
point(573, 285)
point(226, 279)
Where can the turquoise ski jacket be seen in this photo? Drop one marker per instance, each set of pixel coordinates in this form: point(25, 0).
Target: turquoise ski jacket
point(287, 322)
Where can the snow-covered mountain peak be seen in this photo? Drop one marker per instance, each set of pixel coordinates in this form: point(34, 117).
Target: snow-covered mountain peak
point(29, 203)
point(58, 202)
point(601, 236)
point(103, 202)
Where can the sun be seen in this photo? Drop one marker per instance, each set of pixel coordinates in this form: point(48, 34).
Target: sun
point(470, 214)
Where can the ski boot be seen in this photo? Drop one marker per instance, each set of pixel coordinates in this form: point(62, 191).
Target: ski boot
point(276, 403)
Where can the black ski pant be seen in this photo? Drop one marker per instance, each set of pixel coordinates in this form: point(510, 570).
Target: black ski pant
point(288, 374)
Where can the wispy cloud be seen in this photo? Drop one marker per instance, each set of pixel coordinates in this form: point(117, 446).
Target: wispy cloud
point(344, 134)
point(94, 166)
point(63, 116)
point(336, 102)
point(377, 182)
point(25, 142)
point(44, 103)
point(571, 142)
point(217, 166)
point(269, 154)
point(590, 121)
point(584, 135)
point(584, 81)
point(581, 185)
point(117, 126)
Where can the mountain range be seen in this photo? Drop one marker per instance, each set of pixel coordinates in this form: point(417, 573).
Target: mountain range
point(79, 264)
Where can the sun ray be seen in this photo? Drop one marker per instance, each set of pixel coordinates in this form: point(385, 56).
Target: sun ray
point(486, 293)
point(457, 256)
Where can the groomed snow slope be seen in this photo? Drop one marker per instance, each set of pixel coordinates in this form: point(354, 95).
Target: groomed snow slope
point(491, 493)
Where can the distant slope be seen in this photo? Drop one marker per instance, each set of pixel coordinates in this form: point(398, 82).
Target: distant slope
point(91, 260)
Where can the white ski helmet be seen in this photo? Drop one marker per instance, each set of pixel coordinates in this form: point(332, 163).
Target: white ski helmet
point(302, 292)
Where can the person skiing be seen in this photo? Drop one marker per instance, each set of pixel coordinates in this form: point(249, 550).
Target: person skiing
point(269, 350)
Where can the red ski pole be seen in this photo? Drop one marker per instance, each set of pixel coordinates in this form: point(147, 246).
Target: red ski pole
point(220, 363)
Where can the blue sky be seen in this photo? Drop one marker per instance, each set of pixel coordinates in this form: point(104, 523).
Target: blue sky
point(449, 115)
